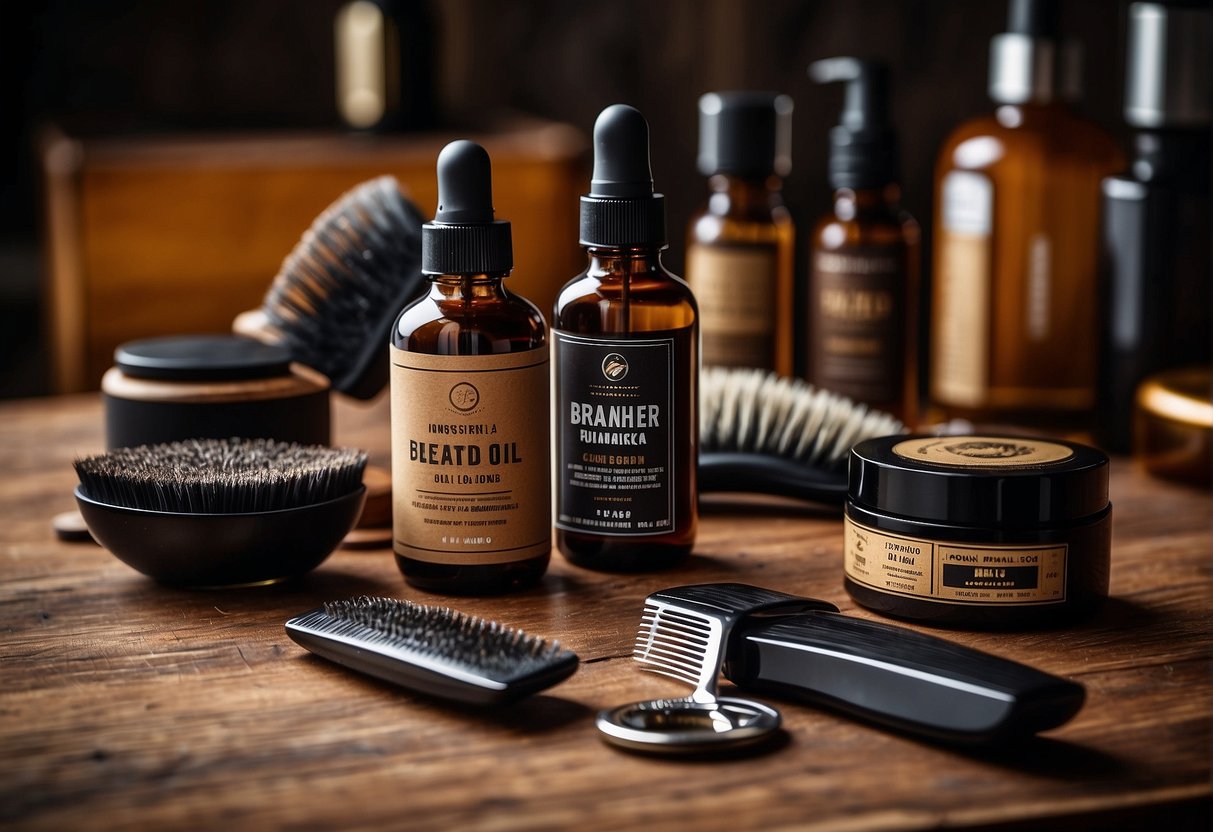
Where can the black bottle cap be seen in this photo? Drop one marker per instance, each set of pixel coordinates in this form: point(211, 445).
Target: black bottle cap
point(1035, 18)
point(748, 134)
point(463, 237)
point(863, 146)
point(621, 210)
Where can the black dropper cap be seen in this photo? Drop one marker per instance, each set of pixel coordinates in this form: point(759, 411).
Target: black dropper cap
point(621, 210)
point(863, 146)
point(746, 134)
point(463, 237)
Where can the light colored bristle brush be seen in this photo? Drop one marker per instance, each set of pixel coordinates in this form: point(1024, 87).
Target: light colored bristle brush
point(760, 432)
point(337, 294)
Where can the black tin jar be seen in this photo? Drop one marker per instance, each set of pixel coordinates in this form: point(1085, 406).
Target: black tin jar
point(211, 386)
point(977, 531)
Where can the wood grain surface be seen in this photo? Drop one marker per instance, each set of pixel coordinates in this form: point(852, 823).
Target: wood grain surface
point(124, 704)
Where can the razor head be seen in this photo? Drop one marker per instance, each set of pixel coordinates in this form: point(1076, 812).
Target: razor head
point(684, 631)
point(433, 650)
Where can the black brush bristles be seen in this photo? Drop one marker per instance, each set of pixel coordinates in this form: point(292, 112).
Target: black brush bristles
point(759, 412)
point(340, 289)
point(434, 650)
point(221, 476)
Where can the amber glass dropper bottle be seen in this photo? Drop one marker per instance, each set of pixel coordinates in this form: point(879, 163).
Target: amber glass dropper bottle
point(469, 383)
point(861, 318)
point(741, 246)
point(625, 342)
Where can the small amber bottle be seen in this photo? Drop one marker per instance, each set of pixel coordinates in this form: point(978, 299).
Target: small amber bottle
point(861, 317)
point(625, 350)
point(741, 246)
point(470, 414)
point(1014, 338)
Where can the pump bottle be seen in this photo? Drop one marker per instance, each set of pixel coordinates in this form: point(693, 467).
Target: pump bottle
point(625, 354)
point(469, 388)
point(741, 246)
point(861, 317)
point(1014, 304)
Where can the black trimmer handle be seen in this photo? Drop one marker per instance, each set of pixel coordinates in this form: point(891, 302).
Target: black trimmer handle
point(897, 677)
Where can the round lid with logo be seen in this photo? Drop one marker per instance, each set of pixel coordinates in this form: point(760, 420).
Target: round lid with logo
point(984, 480)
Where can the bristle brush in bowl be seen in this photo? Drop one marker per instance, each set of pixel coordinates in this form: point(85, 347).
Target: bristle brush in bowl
point(432, 650)
point(333, 301)
point(759, 432)
point(221, 512)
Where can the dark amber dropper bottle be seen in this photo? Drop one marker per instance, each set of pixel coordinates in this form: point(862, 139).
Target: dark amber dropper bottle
point(470, 380)
point(625, 341)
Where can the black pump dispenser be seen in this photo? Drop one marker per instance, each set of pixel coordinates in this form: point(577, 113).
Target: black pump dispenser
point(621, 209)
point(464, 238)
point(863, 146)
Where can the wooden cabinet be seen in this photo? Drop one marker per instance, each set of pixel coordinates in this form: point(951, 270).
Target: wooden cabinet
point(178, 234)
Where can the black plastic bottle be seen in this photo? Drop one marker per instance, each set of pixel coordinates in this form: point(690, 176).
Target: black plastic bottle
point(1154, 264)
point(625, 349)
point(860, 322)
point(471, 473)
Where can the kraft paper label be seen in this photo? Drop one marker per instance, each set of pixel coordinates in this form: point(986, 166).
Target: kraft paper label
point(983, 451)
point(952, 572)
point(735, 290)
point(960, 355)
point(470, 457)
point(616, 412)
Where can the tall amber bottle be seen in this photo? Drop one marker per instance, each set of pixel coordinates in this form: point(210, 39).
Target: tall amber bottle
point(741, 246)
point(625, 354)
point(470, 383)
point(1014, 306)
point(861, 318)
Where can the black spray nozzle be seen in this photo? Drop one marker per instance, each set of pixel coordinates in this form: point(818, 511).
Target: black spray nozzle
point(1035, 18)
point(465, 184)
point(863, 147)
point(621, 209)
point(621, 154)
point(464, 238)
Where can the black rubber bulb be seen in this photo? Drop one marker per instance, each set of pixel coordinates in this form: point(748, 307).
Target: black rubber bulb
point(465, 185)
point(621, 155)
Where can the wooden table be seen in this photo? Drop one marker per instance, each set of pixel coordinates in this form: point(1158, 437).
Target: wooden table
point(127, 704)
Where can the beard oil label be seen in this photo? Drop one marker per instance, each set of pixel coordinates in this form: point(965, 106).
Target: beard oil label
point(735, 289)
point(857, 311)
point(616, 417)
point(956, 573)
point(470, 457)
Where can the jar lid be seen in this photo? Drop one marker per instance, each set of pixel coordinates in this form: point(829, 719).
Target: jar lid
point(1000, 481)
point(202, 358)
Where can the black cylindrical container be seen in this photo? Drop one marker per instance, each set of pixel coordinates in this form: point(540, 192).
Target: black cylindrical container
point(981, 531)
point(211, 386)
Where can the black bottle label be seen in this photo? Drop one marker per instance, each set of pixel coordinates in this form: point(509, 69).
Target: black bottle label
point(616, 415)
point(857, 330)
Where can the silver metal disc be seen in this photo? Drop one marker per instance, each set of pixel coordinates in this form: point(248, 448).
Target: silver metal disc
point(678, 726)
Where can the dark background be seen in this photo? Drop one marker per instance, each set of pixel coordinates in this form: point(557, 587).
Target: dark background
point(142, 66)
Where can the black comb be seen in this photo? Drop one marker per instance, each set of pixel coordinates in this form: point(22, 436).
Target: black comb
point(432, 650)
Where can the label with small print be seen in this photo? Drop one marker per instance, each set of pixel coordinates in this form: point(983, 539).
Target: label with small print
point(857, 319)
point(954, 573)
point(470, 457)
point(735, 289)
point(616, 411)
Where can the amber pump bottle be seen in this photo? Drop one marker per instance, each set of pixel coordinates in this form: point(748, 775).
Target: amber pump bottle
point(741, 246)
point(625, 354)
point(470, 416)
point(861, 317)
point(1014, 304)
